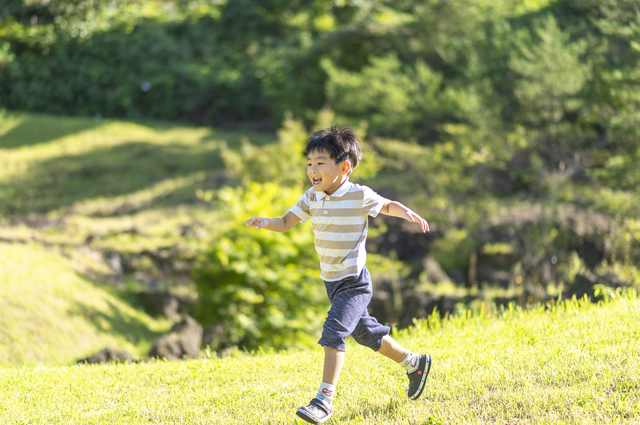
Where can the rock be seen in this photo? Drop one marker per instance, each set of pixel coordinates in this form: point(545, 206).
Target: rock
point(584, 284)
point(162, 303)
point(108, 355)
point(115, 261)
point(458, 276)
point(381, 307)
point(493, 275)
point(182, 341)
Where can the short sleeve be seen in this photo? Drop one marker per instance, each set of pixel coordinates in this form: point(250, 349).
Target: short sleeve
point(302, 208)
point(372, 202)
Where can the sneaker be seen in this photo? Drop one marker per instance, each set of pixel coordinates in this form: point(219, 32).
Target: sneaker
point(316, 412)
point(418, 378)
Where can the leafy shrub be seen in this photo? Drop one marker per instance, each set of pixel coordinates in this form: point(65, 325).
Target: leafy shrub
point(396, 100)
point(282, 163)
point(261, 286)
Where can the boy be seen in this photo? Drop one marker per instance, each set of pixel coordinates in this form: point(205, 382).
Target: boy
point(338, 210)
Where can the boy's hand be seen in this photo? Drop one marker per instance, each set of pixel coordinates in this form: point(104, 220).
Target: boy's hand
point(257, 222)
point(396, 209)
point(412, 216)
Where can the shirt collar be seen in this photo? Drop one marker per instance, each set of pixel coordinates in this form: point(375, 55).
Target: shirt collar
point(342, 190)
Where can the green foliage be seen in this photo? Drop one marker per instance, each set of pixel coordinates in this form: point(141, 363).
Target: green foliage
point(394, 101)
point(156, 75)
point(262, 287)
point(550, 74)
point(281, 163)
point(620, 171)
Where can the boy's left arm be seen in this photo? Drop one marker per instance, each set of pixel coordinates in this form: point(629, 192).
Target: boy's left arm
point(396, 209)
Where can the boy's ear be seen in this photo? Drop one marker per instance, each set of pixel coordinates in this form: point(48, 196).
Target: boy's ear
point(346, 167)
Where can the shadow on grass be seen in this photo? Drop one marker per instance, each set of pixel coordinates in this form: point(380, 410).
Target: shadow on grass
point(37, 129)
point(64, 180)
point(107, 172)
point(116, 323)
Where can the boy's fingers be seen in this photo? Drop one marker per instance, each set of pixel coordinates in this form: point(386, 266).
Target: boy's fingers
point(253, 222)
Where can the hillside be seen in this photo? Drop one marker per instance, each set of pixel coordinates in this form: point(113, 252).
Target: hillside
point(53, 316)
point(91, 212)
point(573, 363)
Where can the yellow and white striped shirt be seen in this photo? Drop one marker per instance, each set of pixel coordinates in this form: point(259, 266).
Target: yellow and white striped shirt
point(340, 224)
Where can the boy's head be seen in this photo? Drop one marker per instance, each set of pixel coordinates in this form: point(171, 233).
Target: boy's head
point(340, 143)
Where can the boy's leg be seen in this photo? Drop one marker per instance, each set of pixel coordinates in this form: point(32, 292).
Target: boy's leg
point(417, 366)
point(391, 349)
point(349, 300)
point(321, 407)
point(333, 361)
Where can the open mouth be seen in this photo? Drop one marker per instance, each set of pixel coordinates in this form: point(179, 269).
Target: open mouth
point(316, 181)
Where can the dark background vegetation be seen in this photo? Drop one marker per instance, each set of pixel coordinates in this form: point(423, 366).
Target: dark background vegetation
point(512, 126)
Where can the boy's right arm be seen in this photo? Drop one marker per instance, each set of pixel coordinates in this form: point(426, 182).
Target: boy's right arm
point(280, 224)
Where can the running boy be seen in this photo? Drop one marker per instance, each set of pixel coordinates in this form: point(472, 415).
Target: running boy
point(339, 212)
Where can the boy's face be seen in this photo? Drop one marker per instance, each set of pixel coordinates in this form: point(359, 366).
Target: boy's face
point(325, 175)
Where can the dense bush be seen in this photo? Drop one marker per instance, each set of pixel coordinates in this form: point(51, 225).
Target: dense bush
point(149, 69)
point(262, 288)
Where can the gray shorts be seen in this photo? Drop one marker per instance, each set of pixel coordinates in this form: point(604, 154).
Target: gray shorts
point(348, 314)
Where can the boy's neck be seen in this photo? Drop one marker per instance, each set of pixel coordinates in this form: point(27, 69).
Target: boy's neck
point(345, 179)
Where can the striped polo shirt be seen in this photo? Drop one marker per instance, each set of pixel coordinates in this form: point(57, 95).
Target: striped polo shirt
point(340, 224)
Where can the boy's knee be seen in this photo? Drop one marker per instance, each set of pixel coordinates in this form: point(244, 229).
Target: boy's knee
point(370, 337)
point(368, 340)
point(333, 343)
point(334, 334)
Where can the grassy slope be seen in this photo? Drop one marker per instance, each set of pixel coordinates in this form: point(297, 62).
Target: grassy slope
point(51, 315)
point(578, 363)
point(84, 188)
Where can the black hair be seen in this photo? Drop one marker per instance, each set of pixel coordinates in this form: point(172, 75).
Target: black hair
point(340, 142)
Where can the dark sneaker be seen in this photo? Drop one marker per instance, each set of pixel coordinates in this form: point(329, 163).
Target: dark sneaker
point(418, 378)
point(316, 412)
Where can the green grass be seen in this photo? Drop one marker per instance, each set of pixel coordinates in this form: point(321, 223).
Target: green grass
point(575, 363)
point(89, 187)
point(53, 316)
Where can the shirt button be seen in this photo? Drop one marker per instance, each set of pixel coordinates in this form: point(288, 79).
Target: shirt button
point(327, 198)
point(326, 212)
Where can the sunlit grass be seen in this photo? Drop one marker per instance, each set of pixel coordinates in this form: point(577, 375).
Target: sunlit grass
point(572, 363)
point(78, 184)
point(51, 315)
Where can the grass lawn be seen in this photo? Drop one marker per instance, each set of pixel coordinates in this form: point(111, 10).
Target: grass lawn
point(576, 363)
